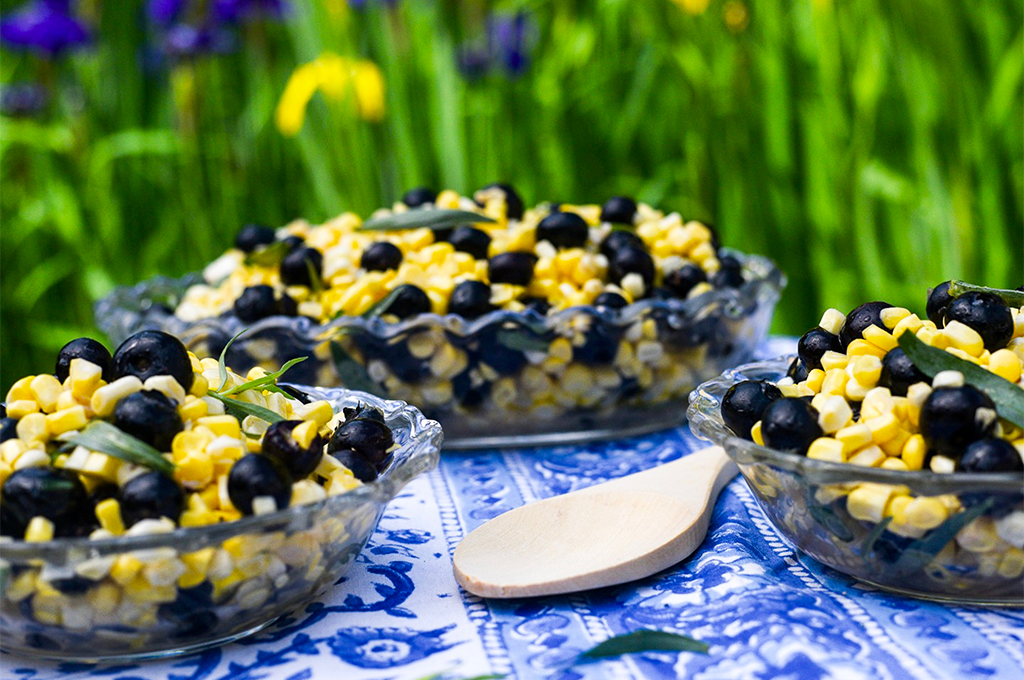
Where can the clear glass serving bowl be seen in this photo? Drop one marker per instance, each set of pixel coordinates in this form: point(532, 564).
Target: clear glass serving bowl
point(973, 557)
point(506, 378)
point(175, 593)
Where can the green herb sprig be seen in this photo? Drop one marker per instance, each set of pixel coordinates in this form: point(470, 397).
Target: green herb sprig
point(1014, 298)
point(102, 437)
point(644, 640)
point(429, 218)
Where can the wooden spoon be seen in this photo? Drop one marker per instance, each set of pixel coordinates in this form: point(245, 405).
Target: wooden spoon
point(610, 533)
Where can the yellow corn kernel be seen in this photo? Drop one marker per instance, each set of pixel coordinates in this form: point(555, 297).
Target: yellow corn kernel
point(105, 398)
point(814, 379)
point(200, 385)
point(826, 448)
point(869, 456)
point(21, 390)
point(755, 434)
point(963, 337)
point(85, 378)
point(897, 508)
point(221, 586)
point(910, 323)
point(879, 338)
point(20, 408)
point(46, 390)
point(834, 413)
point(125, 569)
point(865, 369)
point(108, 513)
point(861, 347)
point(305, 433)
point(194, 471)
point(11, 449)
point(835, 381)
point(932, 336)
point(103, 466)
point(340, 482)
point(855, 391)
point(868, 502)
point(1011, 565)
point(66, 400)
point(877, 402)
point(32, 428)
point(39, 530)
point(894, 447)
point(883, 427)
point(830, 360)
point(222, 425)
point(560, 349)
point(833, 321)
point(926, 513)
point(66, 420)
point(854, 437)
point(191, 442)
point(893, 315)
point(319, 412)
point(194, 408)
point(979, 536)
point(914, 452)
point(894, 464)
point(140, 589)
point(166, 385)
point(1005, 364)
point(103, 598)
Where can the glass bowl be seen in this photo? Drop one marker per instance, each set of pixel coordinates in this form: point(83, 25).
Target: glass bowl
point(973, 557)
point(175, 593)
point(506, 378)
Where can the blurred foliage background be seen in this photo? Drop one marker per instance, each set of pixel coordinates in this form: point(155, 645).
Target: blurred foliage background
point(872, 147)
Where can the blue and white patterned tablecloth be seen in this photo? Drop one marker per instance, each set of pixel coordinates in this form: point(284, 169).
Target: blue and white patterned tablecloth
point(765, 610)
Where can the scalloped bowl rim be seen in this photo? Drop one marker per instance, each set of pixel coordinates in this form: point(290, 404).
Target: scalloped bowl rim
point(422, 431)
point(710, 427)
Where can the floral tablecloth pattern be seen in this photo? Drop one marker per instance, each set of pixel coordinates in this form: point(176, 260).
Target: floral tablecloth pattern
point(765, 610)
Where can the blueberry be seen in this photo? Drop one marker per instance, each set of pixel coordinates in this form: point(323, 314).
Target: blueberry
point(619, 239)
point(150, 416)
point(293, 242)
point(813, 345)
point(660, 293)
point(953, 417)
point(414, 198)
point(729, 274)
point(409, 300)
point(470, 299)
point(867, 314)
point(287, 306)
point(899, 372)
point(151, 495)
point(631, 261)
point(470, 240)
point(513, 203)
point(380, 257)
point(681, 281)
point(72, 585)
point(102, 491)
point(11, 525)
point(610, 300)
point(469, 393)
point(252, 236)
point(149, 353)
point(361, 467)
point(986, 313)
point(298, 266)
point(745, 402)
point(254, 476)
point(514, 268)
point(370, 438)
point(8, 429)
point(536, 304)
point(255, 303)
point(363, 412)
point(83, 348)
point(619, 210)
point(600, 345)
point(279, 443)
point(790, 424)
point(563, 230)
point(991, 455)
point(938, 300)
point(505, 360)
point(797, 371)
point(57, 495)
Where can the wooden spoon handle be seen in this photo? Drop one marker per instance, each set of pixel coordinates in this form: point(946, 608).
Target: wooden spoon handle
point(700, 474)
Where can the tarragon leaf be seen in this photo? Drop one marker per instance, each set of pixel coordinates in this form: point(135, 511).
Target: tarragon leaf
point(241, 409)
point(522, 340)
point(876, 532)
point(222, 367)
point(382, 305)
point(643, 640)
point(1008, 398)
point(267, 382)
point(102, 437)
point(922, 551)
point(351, 373)
point(1014, 298)
point(269, 256)
point(430, 218)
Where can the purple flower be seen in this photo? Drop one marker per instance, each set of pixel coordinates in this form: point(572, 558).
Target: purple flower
point(361, 4)
point(44, 26)
point(473, 62)
point(163, 13)
point(510, 40)
point(233, 11)
point(182, 41)
point(23, 100)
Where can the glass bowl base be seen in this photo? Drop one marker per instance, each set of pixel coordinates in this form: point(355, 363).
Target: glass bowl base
point(959, 600)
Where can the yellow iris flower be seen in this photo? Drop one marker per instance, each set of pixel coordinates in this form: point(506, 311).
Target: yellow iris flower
point(336, 77)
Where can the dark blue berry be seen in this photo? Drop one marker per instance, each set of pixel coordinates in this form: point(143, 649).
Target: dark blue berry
point(813, 345)
point(729, 274)
point(563, 230)
point(938, 300)
point(619, 239)
point(610, 300)
point(83, 348)
point(681, 281)
point(470, 240)
point(797, 371)
point(150, 416)
point(380, 257)
point(991, 455)
point(470, 299)
point(867, 314)
point(409, 300)
point(514, 268)
point(950, 419)
point(370, 438)
point(300, 266)
point(8, 429)
point(536, 304)
point(255, 303)
point(363, 411)
point(987, 314)
point(279, 443)
point(600, 345)
point(745, 402)
point(57, 495)
point(790, 424)
point(414, 198)
point(252, 236)
point(151, 495)
point(630, 260)
point(149, 353)
point(618, 210)
point(514, 207)
point(255, 475)
point(899, 372)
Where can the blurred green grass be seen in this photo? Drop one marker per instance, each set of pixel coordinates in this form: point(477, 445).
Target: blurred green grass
point(871, 148)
